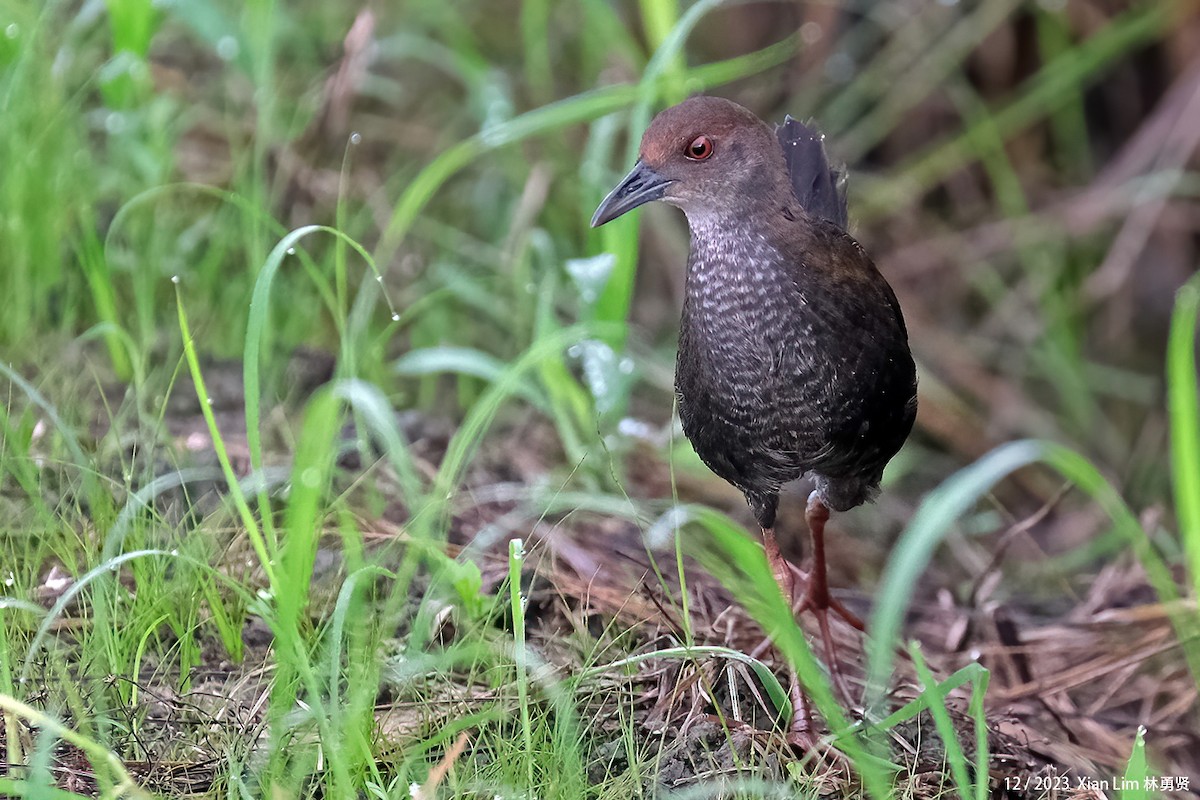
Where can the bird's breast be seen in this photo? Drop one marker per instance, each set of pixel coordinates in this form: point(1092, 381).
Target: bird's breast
point(742, 306)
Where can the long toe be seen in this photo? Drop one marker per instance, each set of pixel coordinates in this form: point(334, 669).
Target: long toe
point(831, 658)
point(848, 616)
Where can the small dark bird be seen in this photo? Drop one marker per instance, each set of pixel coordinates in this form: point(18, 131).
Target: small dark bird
point(793, 354)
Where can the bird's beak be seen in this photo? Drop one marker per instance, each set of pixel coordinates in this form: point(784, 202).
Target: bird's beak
point(641, 185)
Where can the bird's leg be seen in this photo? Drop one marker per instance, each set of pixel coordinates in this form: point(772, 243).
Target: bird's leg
point(817, 598)
point(779, 566)
point(801, 730)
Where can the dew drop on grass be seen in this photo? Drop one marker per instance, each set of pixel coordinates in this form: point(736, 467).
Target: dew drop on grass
point(228, 48)
point(591, 275)
point(13, 30)
point(114, 123)
point(291, 251)
point(379, 279)
point(311, 477)
point(356, 138)
point(175, 279)
point(395, 317)
point(634, 428)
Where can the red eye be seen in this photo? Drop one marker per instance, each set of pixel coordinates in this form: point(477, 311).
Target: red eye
point(700, 148)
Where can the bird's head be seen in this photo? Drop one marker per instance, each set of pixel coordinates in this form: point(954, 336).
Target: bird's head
point(705, 155)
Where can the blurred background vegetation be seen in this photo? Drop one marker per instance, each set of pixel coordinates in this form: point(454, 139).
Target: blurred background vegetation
point(1023, 173)
point(1019, 173)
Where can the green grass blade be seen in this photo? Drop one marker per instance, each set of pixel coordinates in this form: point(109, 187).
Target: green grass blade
point(942, 722)
point(264, 553)
point(1184, 405)
point(1135, 785)
point(516, 558)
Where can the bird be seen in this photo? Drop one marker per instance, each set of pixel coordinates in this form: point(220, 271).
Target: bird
point(793, 353)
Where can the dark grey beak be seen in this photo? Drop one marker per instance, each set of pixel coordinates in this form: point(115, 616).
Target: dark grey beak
point(641, 185)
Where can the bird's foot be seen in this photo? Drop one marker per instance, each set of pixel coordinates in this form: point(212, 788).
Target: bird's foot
point(804, 736)
point(818, 601)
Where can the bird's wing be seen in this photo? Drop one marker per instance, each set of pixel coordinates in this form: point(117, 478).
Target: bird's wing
point(819, 186)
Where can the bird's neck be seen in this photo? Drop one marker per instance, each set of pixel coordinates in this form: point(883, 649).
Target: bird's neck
point(735, 274)
point(733, 249)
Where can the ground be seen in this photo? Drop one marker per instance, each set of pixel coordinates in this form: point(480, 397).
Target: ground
point(1076, 660)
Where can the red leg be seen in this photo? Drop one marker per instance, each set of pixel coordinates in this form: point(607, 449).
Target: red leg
point(801, 730)
point(779, 566)
point(817, 598)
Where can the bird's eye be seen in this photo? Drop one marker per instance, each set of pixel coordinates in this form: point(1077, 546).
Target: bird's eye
point(700, 148)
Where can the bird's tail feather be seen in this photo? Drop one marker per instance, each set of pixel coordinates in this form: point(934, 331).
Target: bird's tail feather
point(819, 186)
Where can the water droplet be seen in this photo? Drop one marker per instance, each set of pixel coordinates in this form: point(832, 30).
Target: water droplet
point(114, 123)
point(494, 133)
point(311, 477)
point(228, 48)
point(395, 317)
point(591, 274)
point(356, 138)
point(811, 32)
point(291, 251)
point(175, 279)
point(574, 351)
point(210, 401)
point(13, 30)
point(626, 366)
